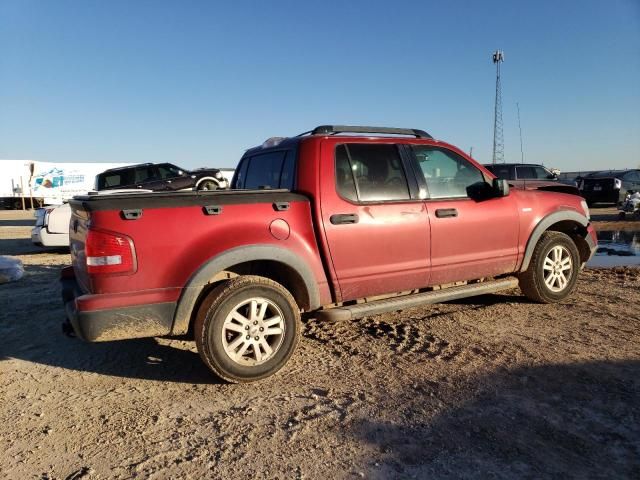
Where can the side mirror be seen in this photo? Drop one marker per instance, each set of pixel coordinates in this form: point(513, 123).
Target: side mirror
point(500, 187)
point(480, 191)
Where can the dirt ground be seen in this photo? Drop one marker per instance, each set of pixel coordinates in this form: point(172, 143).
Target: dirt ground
point(493, 386)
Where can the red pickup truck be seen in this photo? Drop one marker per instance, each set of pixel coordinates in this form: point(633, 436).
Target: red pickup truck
point(340, 221)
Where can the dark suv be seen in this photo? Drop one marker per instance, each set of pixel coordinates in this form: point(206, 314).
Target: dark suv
point(609, 186)
point(163, 176)
point(530, 176)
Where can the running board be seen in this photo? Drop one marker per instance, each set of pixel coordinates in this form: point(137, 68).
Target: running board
point(352, 312)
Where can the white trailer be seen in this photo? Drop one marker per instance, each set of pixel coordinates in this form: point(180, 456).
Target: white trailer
point(46, 183)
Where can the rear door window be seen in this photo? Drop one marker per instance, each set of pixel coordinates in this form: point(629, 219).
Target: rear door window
point(502, 171)
point(370, 173)
point(145, 174)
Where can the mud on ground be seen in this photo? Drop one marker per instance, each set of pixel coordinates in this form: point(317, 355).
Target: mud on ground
point(492, 386)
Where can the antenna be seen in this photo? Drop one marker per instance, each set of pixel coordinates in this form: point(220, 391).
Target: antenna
point(520, 128)
point(498, 137)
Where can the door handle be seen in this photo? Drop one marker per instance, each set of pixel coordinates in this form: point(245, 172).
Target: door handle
point(344, 218)
point(446, 212)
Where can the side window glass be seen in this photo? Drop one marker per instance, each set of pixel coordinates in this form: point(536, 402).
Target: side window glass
point(264, 170)
point(502, 172)
point(344, 176)
point(112, 180)
point(447, 174)
point(168, 171)
point(377, 171)
point(542, 174)
point(632, 177)
point(241, 173)
point(144, 174)
point(526, 173)
point(288, 171)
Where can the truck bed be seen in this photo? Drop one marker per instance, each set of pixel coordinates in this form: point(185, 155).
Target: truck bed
point(175, 235)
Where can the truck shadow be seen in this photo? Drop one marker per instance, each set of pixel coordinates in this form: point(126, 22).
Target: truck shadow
point(561, 421)
point(24, 246)
point(31, 316)
point(18, 222)
point(512, 296)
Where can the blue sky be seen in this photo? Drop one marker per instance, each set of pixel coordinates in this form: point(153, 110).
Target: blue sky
point(198, 82)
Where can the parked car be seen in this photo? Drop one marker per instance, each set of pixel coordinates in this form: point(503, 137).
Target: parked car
point(163, 176)
point(532, 177)
point(342, 226)
point(609, 186)
point(52, 222)
point(52, 226)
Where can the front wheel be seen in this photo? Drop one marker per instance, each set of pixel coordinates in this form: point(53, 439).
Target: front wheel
point(553, 269)
point(207, 185)
point(247, 328)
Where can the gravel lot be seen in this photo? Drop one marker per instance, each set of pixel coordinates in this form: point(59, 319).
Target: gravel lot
point(493, 386)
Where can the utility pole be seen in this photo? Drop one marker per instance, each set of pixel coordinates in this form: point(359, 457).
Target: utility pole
point(498, 138)
point(520, 128)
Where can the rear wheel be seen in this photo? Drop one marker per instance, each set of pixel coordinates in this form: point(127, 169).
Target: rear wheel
point(247, 328)
point(553, 269)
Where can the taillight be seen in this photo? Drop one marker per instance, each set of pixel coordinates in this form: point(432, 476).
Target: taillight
point(109, 252)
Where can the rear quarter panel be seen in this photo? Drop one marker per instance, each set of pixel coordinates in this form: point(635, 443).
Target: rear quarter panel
point(172, 243)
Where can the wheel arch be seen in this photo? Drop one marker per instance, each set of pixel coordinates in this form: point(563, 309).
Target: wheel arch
point(275, 263)
point(200, 180)
point(565, 221)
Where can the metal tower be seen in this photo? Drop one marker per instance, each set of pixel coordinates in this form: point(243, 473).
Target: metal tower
point(498, 138)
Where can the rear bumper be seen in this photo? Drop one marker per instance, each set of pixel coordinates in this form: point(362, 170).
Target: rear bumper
point(117, 323)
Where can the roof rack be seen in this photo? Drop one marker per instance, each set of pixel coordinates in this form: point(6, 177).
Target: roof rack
point(335, 129)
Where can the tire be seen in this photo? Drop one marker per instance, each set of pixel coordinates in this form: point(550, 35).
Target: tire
point(247, 306)
point(622, 216)
point(207, 185)
point(538, 282)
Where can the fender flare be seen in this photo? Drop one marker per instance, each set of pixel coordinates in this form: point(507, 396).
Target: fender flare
point(229, 258)
point(543, 226)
